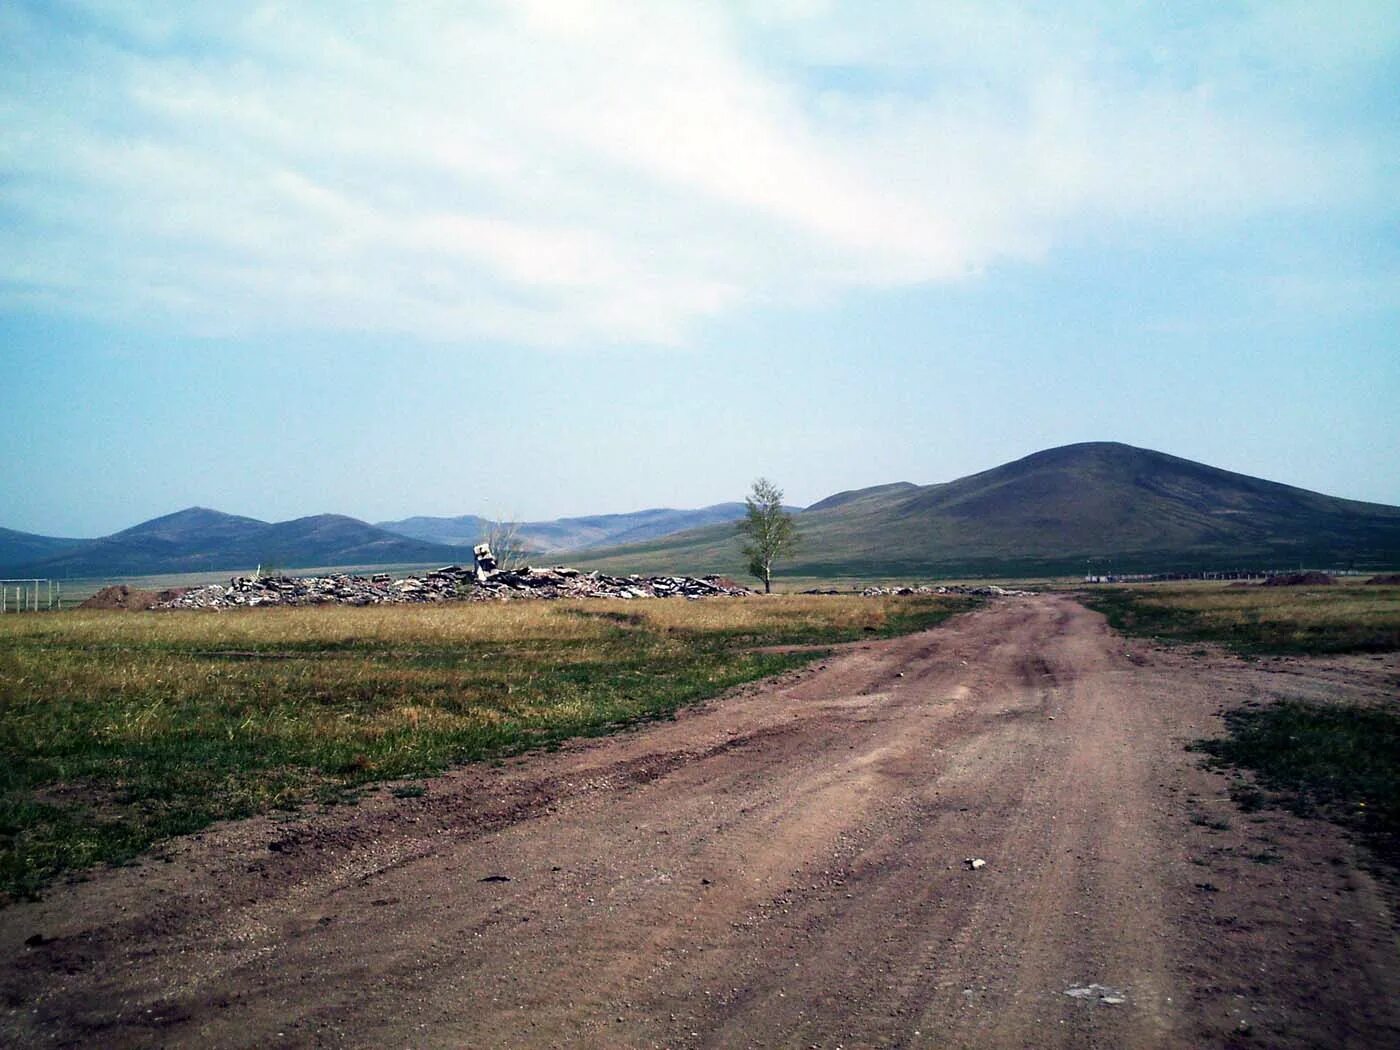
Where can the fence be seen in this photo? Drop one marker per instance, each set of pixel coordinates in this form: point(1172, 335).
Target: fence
point(30, 595)
point(1213, 574)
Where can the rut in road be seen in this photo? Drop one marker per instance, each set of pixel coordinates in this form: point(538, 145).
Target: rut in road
point(783, 867)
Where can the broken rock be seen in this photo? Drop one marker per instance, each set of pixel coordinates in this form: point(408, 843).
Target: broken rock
point(1099, 993)
point(449, 583)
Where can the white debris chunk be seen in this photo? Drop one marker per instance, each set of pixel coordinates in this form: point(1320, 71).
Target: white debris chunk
point(1100, 993)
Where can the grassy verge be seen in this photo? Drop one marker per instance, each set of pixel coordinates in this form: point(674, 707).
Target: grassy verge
point(1333, 619)
point(121, 729)
point(1341, 762)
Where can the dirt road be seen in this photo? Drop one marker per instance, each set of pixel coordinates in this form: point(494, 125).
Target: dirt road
point(783, 867)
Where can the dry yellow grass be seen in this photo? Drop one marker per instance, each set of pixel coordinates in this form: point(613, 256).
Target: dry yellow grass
point(1335, 618)
point(444, 624)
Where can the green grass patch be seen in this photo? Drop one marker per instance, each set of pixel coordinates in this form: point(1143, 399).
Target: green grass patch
point(1258, 620)
point(118, 730)
point(1341, 762)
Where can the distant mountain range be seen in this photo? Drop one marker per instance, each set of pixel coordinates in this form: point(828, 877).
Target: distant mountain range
point(203, 540)
point(570, 534)
point(19, 549)
point(1101, 505)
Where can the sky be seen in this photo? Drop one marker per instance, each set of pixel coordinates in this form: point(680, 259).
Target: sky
point(555, 257)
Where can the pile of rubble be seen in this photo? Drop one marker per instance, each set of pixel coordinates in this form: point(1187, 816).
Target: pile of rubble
point(575, 583)
point(450, 583)
point(981, 591)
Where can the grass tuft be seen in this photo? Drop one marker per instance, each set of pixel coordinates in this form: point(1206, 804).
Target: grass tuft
point(1341, 762)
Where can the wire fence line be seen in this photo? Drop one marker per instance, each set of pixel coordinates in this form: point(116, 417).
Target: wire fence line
point(33, 595)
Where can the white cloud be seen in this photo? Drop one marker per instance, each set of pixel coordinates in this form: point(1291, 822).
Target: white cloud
point(578, 173)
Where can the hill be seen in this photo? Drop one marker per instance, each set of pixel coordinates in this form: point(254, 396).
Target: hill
point(22, 548)
point(462, 531)
point(202, 540)
point(1101, 505)
point(198, 539)
point(570, 534)
point(1105, 506)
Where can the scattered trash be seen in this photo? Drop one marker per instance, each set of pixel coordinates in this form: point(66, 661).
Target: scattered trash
point(975, 863)
point(1098, 993)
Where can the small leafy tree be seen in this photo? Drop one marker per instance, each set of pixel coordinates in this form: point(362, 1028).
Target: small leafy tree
point(768, 530)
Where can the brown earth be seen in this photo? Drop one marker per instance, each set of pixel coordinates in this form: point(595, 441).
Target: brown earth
point(1299, 579)
point(120, 596)
point(782, 867)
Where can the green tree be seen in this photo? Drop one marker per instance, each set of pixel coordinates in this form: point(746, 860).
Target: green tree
point(768, 530)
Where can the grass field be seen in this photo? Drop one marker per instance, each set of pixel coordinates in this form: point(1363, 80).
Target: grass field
point(121, 729)
point(1341, 618)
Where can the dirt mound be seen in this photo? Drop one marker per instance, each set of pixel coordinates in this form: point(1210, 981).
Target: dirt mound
point(1390, 580)
point(1299, 579)
point(120, 596)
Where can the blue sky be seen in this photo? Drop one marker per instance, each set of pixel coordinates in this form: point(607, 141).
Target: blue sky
point(547, 258)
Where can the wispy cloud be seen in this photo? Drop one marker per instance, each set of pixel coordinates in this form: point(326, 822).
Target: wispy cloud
point(570, 173)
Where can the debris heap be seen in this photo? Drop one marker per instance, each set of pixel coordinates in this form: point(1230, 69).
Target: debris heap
point(450, 583)
point(981, 591)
